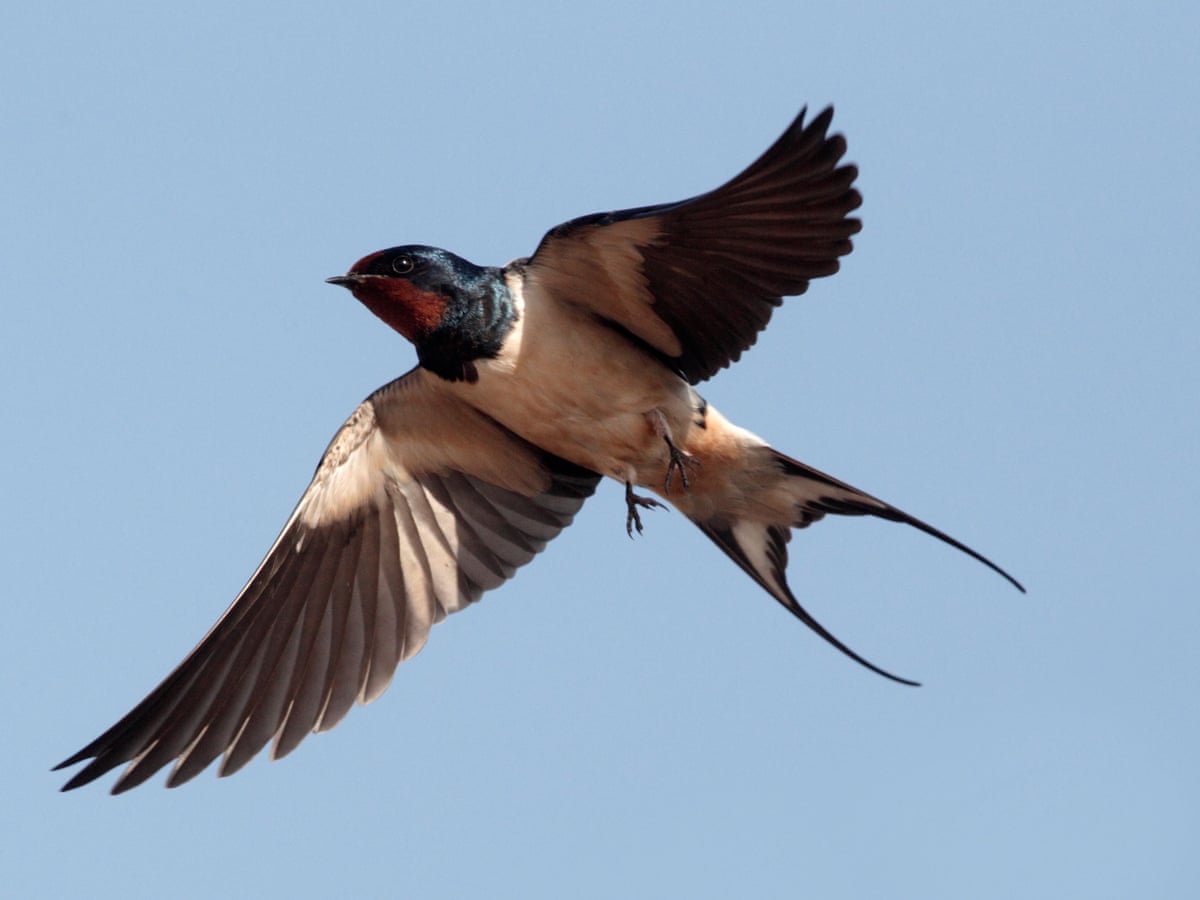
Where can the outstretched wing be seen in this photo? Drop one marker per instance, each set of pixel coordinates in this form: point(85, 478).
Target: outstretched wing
point(419, 505)
point(698, 280)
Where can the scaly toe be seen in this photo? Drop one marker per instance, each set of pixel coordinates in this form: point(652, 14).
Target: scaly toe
point(681, 462)
point(632, 501)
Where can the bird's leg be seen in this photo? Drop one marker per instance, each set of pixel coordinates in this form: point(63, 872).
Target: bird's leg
point(679, 460)
point(632, 502)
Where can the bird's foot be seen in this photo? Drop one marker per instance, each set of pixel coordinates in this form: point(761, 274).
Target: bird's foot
point(632, 502)
point(681, 462)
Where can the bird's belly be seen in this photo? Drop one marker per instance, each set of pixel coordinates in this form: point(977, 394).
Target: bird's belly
point(610, 414)
point(611, 434)
point(593, 408)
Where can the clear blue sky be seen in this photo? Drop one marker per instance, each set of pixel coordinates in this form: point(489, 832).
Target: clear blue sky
point(1010, 353)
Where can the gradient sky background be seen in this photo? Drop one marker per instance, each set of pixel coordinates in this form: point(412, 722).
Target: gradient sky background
point(1011, 353)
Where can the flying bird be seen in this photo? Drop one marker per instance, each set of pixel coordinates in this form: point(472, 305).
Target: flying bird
point(534, 382)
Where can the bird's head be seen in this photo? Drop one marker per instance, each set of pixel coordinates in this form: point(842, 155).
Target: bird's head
point(412, 288)
point(453, 311)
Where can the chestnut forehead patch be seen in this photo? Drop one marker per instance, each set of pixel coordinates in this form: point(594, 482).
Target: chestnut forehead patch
point(371, 264)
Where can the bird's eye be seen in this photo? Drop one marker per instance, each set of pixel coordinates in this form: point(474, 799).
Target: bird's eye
point(403, 264)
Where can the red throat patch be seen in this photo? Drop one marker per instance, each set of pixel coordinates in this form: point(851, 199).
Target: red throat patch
point(405, 307)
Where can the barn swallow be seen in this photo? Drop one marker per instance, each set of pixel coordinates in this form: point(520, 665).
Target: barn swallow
point(534, 381)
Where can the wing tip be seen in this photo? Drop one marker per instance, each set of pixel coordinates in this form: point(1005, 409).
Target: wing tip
point(84, 776)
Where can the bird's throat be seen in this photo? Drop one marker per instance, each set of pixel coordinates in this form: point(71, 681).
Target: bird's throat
point(413, 312)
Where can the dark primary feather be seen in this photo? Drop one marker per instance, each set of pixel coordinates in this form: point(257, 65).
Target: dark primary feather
point(335, 607)
point(700, 278)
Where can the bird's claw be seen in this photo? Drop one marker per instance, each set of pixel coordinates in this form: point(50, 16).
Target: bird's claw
point(680, 462)
point(632, 502)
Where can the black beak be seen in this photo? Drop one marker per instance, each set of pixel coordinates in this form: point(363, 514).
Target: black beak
point(346, 281)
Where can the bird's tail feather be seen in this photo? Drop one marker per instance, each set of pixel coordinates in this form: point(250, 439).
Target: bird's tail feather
point(760, 547)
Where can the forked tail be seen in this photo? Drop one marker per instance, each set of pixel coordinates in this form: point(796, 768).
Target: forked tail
point(760, 547)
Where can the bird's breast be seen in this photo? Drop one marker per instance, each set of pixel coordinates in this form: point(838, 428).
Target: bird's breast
point(567, 383)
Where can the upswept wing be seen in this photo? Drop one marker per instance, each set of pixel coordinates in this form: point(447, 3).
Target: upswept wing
point(419, 505)
point(698, 280)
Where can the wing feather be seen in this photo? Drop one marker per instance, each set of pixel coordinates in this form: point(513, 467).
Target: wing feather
point(419, 505)
point(698, 280)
